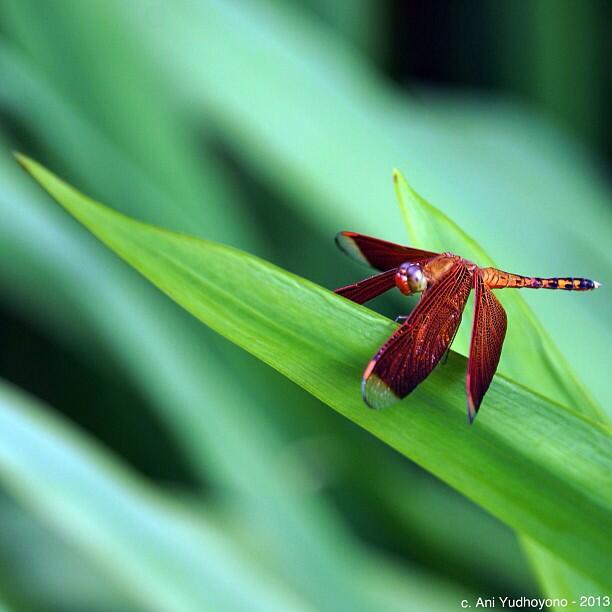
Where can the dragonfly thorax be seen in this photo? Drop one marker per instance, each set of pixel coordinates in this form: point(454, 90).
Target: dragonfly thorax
point(410, 278)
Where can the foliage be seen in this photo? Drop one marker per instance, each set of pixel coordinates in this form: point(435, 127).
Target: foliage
point(321, 341)
point(263, 125)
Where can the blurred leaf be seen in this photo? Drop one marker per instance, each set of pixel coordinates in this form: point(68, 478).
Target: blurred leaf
point(482, 548)
point(4, 607)
point(173, 200)
point(34, 564)
point(162, 556)
point(115, 109)
point(362, 23)
point(562, 43)
point(390, 584)
point(513, 461)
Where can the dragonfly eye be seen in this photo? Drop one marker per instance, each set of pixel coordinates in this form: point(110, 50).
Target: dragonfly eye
point(410, 278)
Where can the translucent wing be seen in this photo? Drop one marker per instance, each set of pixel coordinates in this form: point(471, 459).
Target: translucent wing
point(377, 253)
point(488, 332)
point(369, 288)
point(413, 351)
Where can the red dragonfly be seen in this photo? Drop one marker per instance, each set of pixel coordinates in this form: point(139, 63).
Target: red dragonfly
point(412, 352)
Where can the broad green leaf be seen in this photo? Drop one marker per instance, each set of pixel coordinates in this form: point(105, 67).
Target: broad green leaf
point(308, 545)
point(162, 556)
point(149, 335)
point(513, 461)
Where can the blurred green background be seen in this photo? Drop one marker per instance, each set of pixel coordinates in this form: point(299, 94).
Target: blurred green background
point(166, 468)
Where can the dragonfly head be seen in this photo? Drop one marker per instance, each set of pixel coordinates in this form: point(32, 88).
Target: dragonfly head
point(410, 278)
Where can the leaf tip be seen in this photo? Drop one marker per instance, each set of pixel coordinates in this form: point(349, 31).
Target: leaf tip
point(27, 163)
point(398, 177)
point(21, 159)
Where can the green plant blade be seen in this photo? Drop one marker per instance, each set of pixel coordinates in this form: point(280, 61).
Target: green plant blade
point(308, 544)
point(513, 461)
point(556, 578)
point(311, 547)
point(526, 340)
point(163, 557)
point(39, 561)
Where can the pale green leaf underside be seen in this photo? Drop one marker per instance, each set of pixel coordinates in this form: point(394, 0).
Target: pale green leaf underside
point(161, 555)
point(541, 468)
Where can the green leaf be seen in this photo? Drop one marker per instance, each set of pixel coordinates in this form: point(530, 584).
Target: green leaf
point(526, 340)
point(150, 335)
point(557, 579)
point(39, 562)
point(307, 542)
point(513, 461)
point(163, 557)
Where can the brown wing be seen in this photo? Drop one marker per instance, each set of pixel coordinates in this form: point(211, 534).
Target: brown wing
point(369, 288)
point(413, 351)
point(488, 332)
point(377, 253)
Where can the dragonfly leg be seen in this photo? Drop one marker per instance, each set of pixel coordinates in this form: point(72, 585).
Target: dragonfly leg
point(401, 318)
point(447, 351)
point(445, 356)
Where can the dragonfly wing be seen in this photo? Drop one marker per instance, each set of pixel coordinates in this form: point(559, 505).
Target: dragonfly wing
point(377, 253)
point(488, 332)
point(413, 351)
point(369, 288)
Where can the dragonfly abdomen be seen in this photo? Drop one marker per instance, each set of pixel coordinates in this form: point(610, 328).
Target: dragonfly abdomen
point(498, 279)
point(567, 283)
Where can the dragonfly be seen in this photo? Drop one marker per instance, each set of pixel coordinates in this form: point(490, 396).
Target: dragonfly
point(445, 281)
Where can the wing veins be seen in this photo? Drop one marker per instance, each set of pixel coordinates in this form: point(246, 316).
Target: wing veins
point(378, 253)
point(416, 347)
point(369, 288)
point(488, 333)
